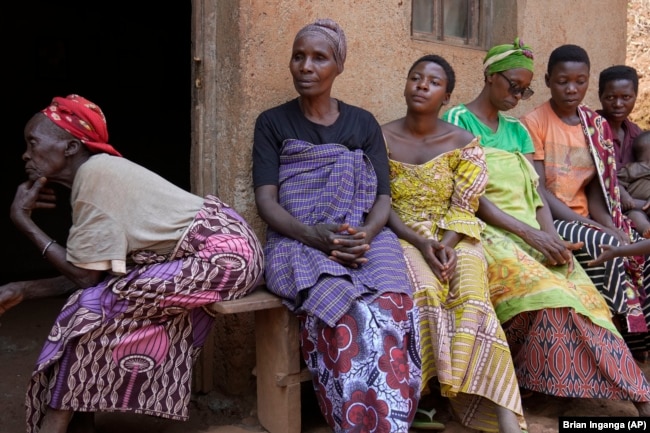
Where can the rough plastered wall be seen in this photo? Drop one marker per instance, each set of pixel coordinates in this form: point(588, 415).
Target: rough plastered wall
point(380, 50)
point(254, 41)
point(599, 26)
point(254, 45)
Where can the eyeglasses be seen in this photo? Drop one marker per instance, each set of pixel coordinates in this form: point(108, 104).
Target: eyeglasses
point(515, 90)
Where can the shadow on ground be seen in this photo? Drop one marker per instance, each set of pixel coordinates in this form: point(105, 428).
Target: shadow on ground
point(23, 329)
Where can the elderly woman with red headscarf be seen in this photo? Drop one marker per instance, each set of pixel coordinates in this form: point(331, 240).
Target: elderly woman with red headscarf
point(148, 259)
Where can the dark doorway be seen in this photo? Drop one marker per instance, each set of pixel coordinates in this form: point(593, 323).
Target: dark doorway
point(131, 58)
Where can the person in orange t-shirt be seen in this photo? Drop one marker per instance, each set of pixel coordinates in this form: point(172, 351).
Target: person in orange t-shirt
point(574, 157)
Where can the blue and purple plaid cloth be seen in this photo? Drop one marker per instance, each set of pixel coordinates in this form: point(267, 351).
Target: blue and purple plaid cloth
point(321, 184)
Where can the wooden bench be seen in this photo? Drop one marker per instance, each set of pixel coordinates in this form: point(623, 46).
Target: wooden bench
point(278, 367)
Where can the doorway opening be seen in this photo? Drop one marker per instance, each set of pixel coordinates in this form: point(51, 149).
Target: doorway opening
point(132, 59)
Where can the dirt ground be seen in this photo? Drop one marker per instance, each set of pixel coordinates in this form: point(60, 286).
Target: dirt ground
point(23, 329)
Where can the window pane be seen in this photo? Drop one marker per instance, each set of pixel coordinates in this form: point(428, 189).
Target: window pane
point(423, 16)
point(455, 18)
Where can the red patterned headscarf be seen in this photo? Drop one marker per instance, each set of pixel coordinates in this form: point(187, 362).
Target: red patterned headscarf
point(84, 120)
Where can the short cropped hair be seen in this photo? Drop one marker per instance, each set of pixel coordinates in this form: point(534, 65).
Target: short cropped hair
point(438, 60)
point(618, 72)
point(567, 53)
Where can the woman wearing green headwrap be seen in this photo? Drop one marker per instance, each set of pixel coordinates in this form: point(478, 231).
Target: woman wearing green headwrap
point(558, 326)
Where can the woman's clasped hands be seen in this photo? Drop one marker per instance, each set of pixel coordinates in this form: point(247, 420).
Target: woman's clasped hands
point(343, 243)
point(440, 257)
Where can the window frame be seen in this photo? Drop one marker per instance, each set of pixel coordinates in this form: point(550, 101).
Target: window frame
point(479, 21)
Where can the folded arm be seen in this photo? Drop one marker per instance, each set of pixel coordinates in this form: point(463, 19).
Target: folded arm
point(30, 196)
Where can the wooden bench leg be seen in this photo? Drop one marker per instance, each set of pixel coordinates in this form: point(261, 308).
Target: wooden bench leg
point(278, 370)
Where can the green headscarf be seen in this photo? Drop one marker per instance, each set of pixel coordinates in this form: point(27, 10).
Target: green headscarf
point(508, 56)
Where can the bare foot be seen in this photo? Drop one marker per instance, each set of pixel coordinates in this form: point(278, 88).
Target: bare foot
point(508, 421)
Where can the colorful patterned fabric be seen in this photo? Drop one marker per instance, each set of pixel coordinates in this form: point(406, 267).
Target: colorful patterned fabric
point(611, 278)
point(625, 294)
point(599, 140)
point(319, 184)
point(596, 364)
point(623, 149)
point(556, 321)
point(83, 119)
point(364, 369)
point(519, 280)
point(462, 343)
point(358, 324)
point(129, 343)
point(448, 200)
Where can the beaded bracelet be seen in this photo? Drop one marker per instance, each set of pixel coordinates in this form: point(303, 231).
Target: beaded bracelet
point(47, 246)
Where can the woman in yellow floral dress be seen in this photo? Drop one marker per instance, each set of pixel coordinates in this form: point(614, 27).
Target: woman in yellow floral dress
point(438, 173)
